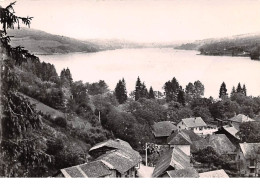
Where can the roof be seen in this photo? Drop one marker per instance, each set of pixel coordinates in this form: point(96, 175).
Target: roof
point(194, 122)
point(93, 169)
point(221, 143)
point(116, 144)
point(173, 158)
point(231, 130)
point(120, 160)
point(199, 145)
point(188, 172)
point(214, 174)
point(240, 118)
point(179, 138)
point(163, 128)
point(250, 150)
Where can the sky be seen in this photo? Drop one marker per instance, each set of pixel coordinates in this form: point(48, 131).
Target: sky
point(142, 20)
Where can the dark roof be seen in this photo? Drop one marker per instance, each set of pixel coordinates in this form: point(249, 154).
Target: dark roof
point(250, 150)
point(188, 172)
point(199, 145)
point(114, 144)
point(120, 160)
point(240, 118)
point(179, 138)
point(163, 128)
point(93, 169)
point(221, 143)
point(214, 174)
point(173, 158)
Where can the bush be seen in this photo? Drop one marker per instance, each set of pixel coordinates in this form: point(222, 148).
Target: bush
point(60, 121)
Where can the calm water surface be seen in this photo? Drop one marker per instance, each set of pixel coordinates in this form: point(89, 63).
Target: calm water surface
point(156, 66)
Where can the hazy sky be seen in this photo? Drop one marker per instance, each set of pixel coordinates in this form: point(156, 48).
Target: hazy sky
point(142, 20)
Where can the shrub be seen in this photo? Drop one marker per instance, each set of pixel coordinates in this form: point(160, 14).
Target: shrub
point(60, 121)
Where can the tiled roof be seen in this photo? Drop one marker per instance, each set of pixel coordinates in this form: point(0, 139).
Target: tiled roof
point(163, 128)
point(199, 145)
point(241, 118)
point(231, 130)
point(221, 143)
point(179, 138)
point(214, 174)
point(121, 160)
point(173, 158)
point(116, 144)
point(194, 122)
point(189, 172)
point(250, 150)
point(93, 169)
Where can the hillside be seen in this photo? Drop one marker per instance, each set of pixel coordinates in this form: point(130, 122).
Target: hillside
point(247, 45)
point(40, 42)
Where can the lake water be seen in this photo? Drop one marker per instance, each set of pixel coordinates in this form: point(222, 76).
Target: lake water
point(156, 66)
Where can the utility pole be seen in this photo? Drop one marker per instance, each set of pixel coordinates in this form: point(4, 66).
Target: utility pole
point(146, 154)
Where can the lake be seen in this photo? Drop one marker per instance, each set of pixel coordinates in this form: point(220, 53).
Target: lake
point(155, 66)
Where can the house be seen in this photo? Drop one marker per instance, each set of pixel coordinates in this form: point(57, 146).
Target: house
point(162, 130)
point(231, 133)
point(108, 145)
point(214, 174)
point(113, 158)
point(180, 140)
point(95, 169)
point(197, 125)
point(248, 159)
point(188, 172)
point(173, 159)
point(238, 119)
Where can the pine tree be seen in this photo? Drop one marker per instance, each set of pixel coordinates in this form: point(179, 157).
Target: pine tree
point(239, 88)
point(144, 91)
point(151, 93)
point(244, 89)
point(181, 97)
point(120, 91)
point(223, 90)
point(233, 91)
point(138, 89)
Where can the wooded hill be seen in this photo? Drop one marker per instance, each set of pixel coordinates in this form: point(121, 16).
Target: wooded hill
point(247, 45)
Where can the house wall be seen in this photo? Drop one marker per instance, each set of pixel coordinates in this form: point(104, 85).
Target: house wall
point(181, 126)
point(244, 165)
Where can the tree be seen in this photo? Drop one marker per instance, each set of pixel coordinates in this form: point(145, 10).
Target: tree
point(181, 97)
point(138, 89)
point(244, 89)
point(239, 88)
point(171, 89)
point(233, 91)
point(151, 93)
point(120, 91)
point(22, 153)
point(144, 91)
point(199, 89)
point(223, 91)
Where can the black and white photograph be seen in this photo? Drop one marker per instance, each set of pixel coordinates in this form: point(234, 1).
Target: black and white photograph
point(129, 89)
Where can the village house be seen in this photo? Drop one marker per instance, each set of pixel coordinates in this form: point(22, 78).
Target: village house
point(188, 172)
point(197, 125)
point(238, 119)
point(231, 133)
point(214, 174)
point(248, 159)
point(173, 159)
point(180, 140)
point(113, 158)
point(162, 130)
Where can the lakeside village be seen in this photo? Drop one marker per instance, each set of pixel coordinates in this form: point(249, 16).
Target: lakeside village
point(174, 148)
point(52, 126)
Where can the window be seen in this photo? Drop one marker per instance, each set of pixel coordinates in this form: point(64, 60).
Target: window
point(252, 170)
point(252, 162)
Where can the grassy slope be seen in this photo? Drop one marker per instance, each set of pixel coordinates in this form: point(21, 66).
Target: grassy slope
point(40, 42)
